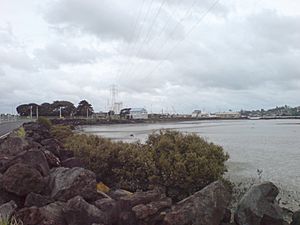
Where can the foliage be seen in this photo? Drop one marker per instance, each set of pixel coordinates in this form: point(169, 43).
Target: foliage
point(84, 108)
point(47, 109)
point(21, 132)
point(12, 221)
point(44, 121)
point(185, 163)
point(61, 132)
point(181, 163)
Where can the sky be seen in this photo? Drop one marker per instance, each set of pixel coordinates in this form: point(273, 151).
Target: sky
point(212, 55)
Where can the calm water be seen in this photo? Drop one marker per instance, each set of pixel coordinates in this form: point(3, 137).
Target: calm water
point(272, 146)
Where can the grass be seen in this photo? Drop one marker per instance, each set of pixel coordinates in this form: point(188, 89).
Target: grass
point(12, 221)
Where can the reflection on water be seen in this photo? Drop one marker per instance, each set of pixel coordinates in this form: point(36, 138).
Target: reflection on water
point(270, 145)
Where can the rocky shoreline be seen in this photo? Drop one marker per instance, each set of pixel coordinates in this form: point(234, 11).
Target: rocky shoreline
point(42, 183)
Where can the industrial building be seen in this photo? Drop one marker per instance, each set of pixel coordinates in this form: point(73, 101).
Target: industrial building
point(134, 113)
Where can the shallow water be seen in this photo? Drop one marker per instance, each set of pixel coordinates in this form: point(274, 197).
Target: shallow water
point(272, 146)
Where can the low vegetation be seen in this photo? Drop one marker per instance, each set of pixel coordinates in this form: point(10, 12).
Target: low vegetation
point(180, 163)
point(21, 132)
point(12, 221)
point(61, 132)
point(44, 121)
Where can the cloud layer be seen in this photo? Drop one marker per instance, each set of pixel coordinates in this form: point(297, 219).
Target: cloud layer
point(182, 55)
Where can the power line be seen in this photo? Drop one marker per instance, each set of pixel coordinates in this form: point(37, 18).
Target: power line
point(149, 31)
point(128, 64)
point(186, 14)
point(189, 32)
point(135, 26)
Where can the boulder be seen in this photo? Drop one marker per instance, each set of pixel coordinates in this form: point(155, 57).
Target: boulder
point(296, 218)
point(6, 197)
point(110, 208)
point(52, 145)
point(21, 179)
point(205, 207)
point(34, 158)
point(51, 214)
point(52, 160)
point(8, 209)
point(36, 132)
point(33, 199)
point(65, 154)
point(72, 162)
point(258, 206)
point(12, 146)
point(79, 212)
point(119, 193)
point(67, 183)
point(137, 198)
point(144, 211)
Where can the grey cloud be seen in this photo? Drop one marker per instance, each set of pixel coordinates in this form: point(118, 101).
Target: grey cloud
point(105, 18)
point(56, 54)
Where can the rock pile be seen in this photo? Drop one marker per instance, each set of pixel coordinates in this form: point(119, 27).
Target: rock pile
point(41, 183)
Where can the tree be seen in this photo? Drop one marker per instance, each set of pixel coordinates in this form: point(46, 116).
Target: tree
point(84, 108)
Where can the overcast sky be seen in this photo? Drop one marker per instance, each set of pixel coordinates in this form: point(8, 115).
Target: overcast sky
point(172, 54)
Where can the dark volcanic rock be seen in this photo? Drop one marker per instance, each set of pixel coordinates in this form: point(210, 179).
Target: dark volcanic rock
point(143, 211)
point(72, 162)
point(21, 179)
point(296, 218)
point(12, 146)
point(38, 200)
point(52, 145)
point(127, 202)
point(8, 209)
point(67, 183)
point(65, 154)
point(258, 206)
point(34, 158)
point(51, 214)
point(36, 132)
point(204, 207)
point(79, 212)
point(52, 160)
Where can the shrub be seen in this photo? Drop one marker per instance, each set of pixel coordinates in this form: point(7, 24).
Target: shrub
point(21, 132)
point(185, 163)
point(12, 221)
point(61, 132)
point(44, 121)
point(181, 163)
point(117, 164)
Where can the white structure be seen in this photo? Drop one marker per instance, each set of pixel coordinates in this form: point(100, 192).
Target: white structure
point(196, 113)
point(138, 113)
point(228, 115)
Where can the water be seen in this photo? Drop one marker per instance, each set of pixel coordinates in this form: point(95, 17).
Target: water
point(272, 146)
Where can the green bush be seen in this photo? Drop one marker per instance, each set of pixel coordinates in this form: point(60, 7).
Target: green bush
point(61, 132)
point(44, 121)
point(12, 221)
point(181, 163)
point(185, 163)
point(21, 132)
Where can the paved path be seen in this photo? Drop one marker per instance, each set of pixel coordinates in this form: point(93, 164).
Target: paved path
point(7, 127)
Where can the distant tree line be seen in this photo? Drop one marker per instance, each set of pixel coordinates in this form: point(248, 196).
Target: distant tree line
point(278, 111)
point(67, 109)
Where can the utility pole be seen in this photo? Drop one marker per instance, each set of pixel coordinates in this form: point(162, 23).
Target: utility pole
point(31, 112)
point(87, 113)
point(60, 112)
point(37, 112)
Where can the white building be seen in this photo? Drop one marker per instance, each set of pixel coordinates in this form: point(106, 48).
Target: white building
point(138, 113)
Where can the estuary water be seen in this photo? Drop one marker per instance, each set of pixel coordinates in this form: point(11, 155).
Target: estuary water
point(272, 146)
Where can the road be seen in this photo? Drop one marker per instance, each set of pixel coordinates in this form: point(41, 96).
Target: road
point(7, 127)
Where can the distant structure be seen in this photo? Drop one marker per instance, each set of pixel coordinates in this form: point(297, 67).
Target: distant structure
point(200, 114)
point(134, 113)
point(114, 105)
point(228, 115)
